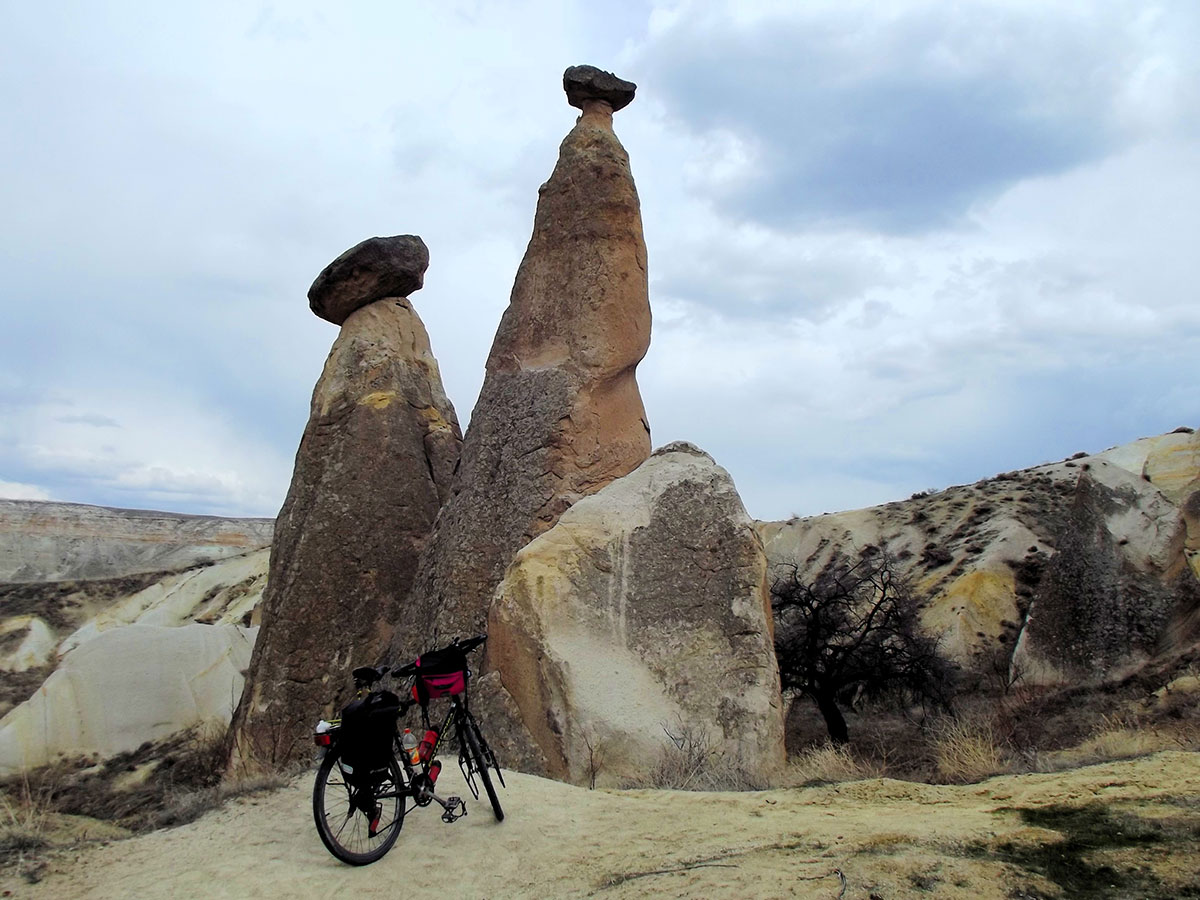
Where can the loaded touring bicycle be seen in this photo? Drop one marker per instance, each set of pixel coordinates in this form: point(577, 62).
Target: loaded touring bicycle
point(372, 774)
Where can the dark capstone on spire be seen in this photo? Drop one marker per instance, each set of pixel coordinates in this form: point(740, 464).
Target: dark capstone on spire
point(589, 83)
point(379, 267)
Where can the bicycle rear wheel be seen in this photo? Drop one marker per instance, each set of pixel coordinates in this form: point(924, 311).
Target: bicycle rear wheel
point(358, 823)
point(475, 745)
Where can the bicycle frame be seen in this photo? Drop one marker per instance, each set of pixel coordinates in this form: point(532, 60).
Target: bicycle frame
point(341, 797)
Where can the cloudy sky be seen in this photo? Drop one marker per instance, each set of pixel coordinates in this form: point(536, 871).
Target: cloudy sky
point(893, 245)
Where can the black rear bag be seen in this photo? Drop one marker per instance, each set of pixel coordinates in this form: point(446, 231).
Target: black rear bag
point(368, 727)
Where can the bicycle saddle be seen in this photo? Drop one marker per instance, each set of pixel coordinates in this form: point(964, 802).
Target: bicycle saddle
point(368, 675)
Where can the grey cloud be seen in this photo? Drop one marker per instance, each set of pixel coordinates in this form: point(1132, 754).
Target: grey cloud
point(93, 419)
point(900, 127)
point(741, 280)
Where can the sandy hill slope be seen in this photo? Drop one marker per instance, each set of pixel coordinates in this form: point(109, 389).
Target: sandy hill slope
point(44, 541)
point(985, 554)
point(1125, 829)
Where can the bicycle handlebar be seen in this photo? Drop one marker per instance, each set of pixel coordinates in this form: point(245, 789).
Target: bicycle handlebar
point(466, 645)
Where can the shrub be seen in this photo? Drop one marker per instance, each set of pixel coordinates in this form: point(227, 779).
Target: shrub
point(830, 764)
point(690, 762)
point(969, 751)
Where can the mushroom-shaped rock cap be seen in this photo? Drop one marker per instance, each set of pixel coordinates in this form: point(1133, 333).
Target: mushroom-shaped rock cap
point(589, 83)
point(378, 267)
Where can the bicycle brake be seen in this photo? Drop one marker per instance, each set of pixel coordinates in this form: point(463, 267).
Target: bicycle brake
point(455, 809)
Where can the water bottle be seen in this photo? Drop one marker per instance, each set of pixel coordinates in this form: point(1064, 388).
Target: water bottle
point(427, 744)
point(409, 742)
point(435, 769)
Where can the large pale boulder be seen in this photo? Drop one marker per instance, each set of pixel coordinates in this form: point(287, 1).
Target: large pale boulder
point(373, 468)
point(644, 609)
point(1171, 462)
point(559, 415)
point(127, 686)
point(1190, 513)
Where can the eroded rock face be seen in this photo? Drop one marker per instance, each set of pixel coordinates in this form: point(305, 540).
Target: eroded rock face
point(378, 267)
point(980, 554)
point(1104, 603)
point(373, 468)
point(559, 415)
point(645, 607)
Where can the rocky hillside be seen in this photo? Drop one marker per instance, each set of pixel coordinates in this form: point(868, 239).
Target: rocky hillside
point(41, 541)
point(1067, 571)
point(99, 666)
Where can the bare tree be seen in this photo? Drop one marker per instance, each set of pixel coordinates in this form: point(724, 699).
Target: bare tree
point(855, 631)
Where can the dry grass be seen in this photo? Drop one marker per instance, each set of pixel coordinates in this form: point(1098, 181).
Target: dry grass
point(970, 750)
point(1123, 737)
point(183, 806)
point(156, 786)
point(23, 815)
point(831, 764)
point(690, 762)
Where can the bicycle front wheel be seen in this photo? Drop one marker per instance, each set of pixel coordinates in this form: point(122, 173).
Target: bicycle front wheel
point(358, 822)
point(475, 744)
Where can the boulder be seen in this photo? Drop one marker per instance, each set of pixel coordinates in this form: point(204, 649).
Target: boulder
point(583, 83)
point(127, 686)
point(559, 414)
point(373, 468)
point(1190, 513)
point(644, 610)
point(379, 267)
point(1172, 465)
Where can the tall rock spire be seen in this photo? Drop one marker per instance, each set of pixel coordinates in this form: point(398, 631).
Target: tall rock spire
point(373, 468)
point(559, 415)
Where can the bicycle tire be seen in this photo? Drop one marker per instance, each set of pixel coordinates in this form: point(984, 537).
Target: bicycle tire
point(334, 799)
point(474, 745)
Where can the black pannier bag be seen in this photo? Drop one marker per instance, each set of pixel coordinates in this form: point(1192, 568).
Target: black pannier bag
point(368, 727)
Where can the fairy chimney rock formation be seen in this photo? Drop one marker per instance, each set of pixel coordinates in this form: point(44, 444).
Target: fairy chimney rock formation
point(373, 468)
point(379, 267)
point(559, 415)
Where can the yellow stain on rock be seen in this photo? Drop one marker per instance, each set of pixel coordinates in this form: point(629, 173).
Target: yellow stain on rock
point(434, 419)
point(1173, 466)
point(377, 399)
point(975, 602)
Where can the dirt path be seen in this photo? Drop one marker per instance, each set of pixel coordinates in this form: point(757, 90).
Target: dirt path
point(1129, 829)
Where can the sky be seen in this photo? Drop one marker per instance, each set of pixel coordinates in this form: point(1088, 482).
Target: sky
point(893, 246)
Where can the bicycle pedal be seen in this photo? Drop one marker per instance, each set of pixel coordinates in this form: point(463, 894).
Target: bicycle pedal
point(455, 810)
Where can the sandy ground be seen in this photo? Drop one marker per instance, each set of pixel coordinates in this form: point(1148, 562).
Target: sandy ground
point(888, 839)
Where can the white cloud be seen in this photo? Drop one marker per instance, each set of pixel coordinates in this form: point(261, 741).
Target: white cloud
point(13, 490)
